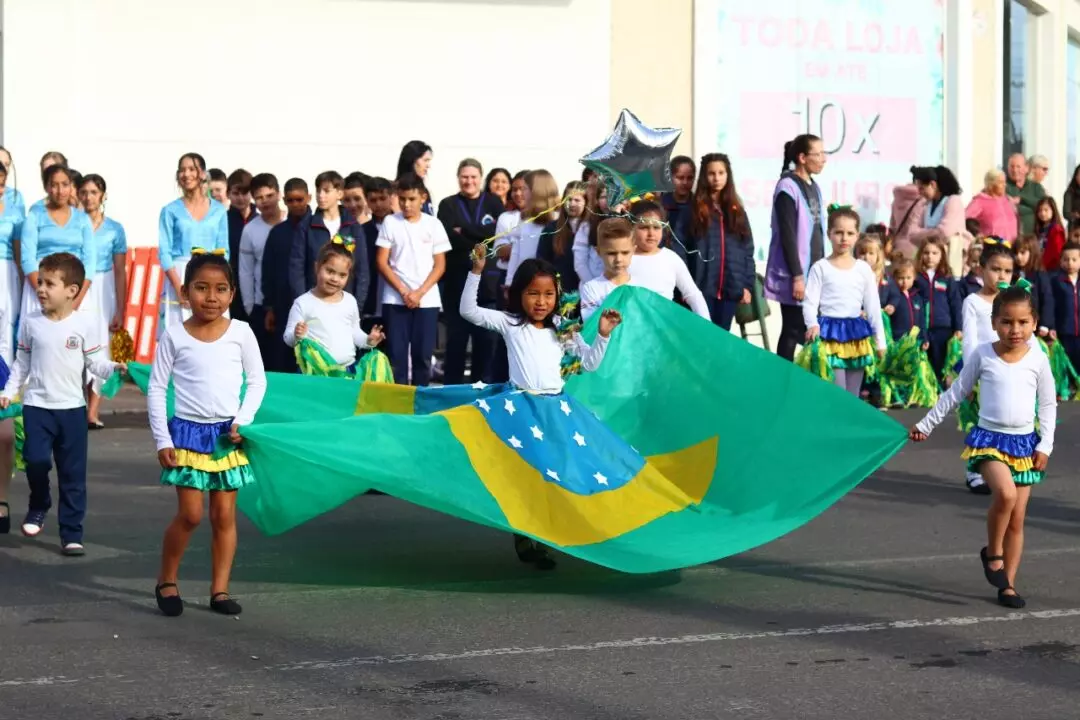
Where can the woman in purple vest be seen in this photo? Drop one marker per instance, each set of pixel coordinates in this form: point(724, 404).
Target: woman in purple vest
point(798, 236)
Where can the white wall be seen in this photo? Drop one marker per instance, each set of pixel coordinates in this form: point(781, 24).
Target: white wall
point(123, 87)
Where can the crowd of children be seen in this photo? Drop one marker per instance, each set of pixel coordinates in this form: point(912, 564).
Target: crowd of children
point(375, 253)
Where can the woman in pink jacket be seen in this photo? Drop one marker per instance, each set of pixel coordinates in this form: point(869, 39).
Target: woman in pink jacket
point(944, 214)
point(908, 209)
point(994, 212)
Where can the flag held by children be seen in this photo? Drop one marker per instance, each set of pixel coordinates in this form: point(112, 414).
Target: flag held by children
point(711, 447)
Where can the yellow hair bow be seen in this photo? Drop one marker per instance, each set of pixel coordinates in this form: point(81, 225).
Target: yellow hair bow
point(995, 240)
point(204, 251)
point(347, 244)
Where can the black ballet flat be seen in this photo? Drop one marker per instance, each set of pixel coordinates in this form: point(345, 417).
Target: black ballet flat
point(997, 578)
point(5, 522)
point(1013, 602)
point(228, 606)
point(172, 606)
point(542, 560)
point(525, 549)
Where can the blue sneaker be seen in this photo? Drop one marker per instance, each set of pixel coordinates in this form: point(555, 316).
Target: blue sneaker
point(34, 523)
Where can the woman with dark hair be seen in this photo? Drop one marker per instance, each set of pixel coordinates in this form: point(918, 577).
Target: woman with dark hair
point(798, 236)
point(188, 222)
point(415, 158)
point(497, 183)
point(55, 226)
point(943, 217)
point(1070, 206)
point(723, 266)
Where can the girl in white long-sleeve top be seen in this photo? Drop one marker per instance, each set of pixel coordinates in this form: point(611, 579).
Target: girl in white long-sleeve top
point(329, 315)
point(541, 353)
point(996, 265)
point(842, 306)
point(1016, 388)
point(208, 358)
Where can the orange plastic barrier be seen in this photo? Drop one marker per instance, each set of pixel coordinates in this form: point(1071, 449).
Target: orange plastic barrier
point(143, 300)
point(146, 341)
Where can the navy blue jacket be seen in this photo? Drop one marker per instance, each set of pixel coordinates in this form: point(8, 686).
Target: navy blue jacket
point(889, 292)
point(311, 235)
point(970, 283)
point(237, 222)
point(724, 265)
point(678, 218)
point(276, 289)
point(910, 312)
point(943, 300)
point(1042, 297)
point(1066, 300)
point(371, 234)
point(468, 222)
point(564, 264)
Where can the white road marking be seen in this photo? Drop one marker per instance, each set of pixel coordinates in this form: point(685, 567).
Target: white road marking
point(680, 640)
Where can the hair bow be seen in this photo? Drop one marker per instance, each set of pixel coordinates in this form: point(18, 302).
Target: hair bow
point(204, 251)
point(837, 206)
point(347, 244)
point(1022, 284)
point(995, 240)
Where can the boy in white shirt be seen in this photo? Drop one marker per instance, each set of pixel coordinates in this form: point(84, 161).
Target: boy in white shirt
point(615, 245)
point(411, 257)
point(54, 352)
point(267, 196)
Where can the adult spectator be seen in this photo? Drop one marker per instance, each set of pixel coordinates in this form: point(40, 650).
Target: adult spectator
point(908, 210)
point(1040, 168)
point(798, 236)
point(944, 213)
point(993, 210)
point(1024, 194)
point(1070, 207)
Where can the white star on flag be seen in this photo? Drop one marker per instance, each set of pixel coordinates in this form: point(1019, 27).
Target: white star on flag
point(565, 407)
point(600, 479)
point(514, 442)
point(482, 404)
point(537, 432)
point(553, 475)
point(579, 439)
point(479, 385)
point(509, 406)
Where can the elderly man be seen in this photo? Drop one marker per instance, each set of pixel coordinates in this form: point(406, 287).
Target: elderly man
point(1025, 194)
point(1040, 167)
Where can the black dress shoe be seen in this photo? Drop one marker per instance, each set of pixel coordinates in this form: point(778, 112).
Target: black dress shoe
point(171, 606)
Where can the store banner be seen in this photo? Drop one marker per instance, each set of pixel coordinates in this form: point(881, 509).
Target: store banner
point(864, 75)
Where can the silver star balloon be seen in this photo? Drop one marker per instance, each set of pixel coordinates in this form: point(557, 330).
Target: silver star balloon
point(635, 159)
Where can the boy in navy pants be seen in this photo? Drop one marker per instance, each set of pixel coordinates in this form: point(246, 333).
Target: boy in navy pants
point(411, 247)
point(55, 350)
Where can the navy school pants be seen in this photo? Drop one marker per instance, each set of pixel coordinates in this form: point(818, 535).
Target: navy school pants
point(59, 435)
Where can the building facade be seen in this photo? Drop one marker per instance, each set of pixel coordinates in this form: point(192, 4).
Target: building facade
point(123, 87)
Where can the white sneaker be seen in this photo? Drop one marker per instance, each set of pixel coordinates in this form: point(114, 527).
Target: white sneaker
point(73, 549)
point(34, 523)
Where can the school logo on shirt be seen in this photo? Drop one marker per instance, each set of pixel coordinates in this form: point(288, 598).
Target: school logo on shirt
point(72, 343)
point(941, 285)
point(487, 220)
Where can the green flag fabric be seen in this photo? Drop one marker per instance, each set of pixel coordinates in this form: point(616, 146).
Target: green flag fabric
point(706, 447)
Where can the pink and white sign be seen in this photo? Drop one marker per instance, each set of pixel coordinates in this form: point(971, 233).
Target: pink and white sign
point(864, 75)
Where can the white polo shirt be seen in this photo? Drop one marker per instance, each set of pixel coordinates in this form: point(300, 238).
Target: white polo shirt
point(413, 247)
point(52, 357)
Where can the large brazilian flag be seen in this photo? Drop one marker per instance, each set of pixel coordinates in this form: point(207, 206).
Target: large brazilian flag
point(686, 446)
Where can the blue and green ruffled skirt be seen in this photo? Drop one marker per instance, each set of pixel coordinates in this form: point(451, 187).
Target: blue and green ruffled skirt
point(1016, 451)
point(207, 459)
point(847, 342)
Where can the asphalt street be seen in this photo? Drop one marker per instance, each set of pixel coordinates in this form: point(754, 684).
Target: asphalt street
point(877, 609)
